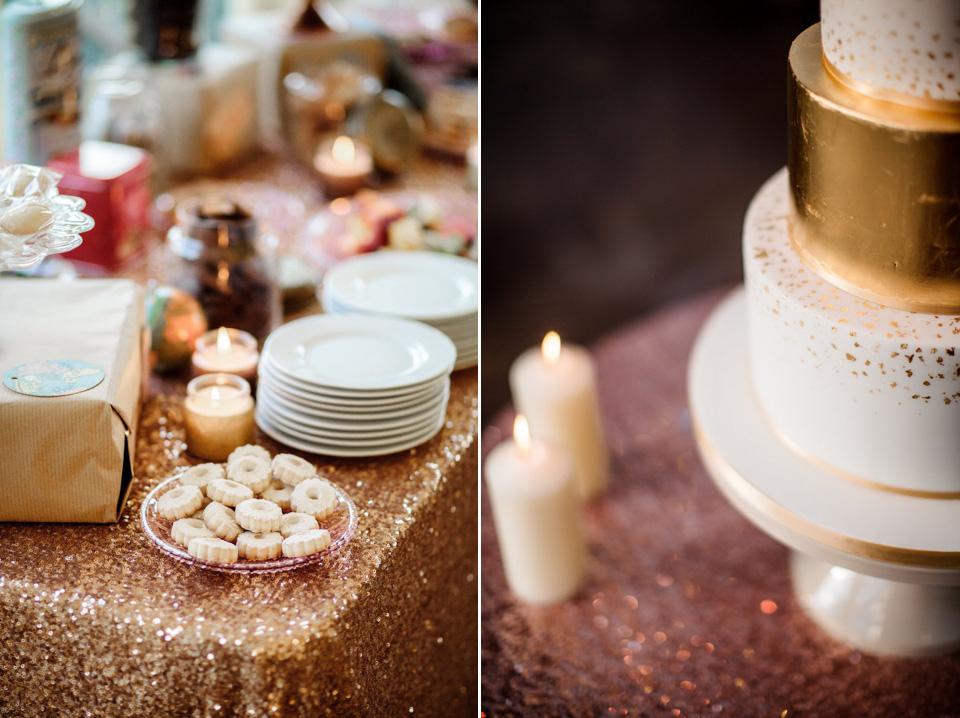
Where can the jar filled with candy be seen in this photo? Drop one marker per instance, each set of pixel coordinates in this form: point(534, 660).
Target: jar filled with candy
point(215, 253)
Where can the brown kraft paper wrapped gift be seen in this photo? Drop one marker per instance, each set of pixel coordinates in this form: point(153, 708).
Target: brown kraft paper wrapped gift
point(70, 458)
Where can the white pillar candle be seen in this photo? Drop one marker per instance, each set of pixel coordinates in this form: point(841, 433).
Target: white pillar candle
point(231, 351)
point(557, 390)
point(218, 415)
point(536, 512)
point(344, 165)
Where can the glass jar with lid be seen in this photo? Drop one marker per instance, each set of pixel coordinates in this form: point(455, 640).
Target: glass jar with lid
point(215, 253)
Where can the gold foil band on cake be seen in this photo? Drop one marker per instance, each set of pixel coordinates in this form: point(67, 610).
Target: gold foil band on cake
point(932, 104)
point(875, 190)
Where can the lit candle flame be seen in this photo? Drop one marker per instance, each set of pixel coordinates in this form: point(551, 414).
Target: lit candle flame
point(214, 395)
point(224, 345)
point(551, 348)
point(343, 151)
point(340, 206)
point(521, 433)
point(223, 276)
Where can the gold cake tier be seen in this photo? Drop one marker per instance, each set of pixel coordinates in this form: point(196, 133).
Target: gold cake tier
point(875, 189)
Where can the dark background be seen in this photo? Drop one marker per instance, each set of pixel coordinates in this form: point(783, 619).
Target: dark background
point(622, 143)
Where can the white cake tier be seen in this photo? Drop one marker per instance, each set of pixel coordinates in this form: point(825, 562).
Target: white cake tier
point(905, 47)
point(868, 391)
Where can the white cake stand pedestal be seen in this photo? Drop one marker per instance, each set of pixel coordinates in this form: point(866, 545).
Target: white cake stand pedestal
point(876, 569)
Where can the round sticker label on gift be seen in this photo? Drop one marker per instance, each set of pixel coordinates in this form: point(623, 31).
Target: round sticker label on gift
point(55, 377)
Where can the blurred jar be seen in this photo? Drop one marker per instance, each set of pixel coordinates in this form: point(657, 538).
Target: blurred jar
point(215, 253)
point(316, 103)
point(453, 118)
point(122, 111)
point(40, 67)
point(121, 105)
point(390, 124)
point(164, 29)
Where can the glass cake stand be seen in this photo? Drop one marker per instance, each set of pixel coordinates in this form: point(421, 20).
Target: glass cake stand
point(874, 568)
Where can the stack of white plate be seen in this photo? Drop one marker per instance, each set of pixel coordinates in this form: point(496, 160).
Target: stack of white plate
point(437, 289)
point(354, 385)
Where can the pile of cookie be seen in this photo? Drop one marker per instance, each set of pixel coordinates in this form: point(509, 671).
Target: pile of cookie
point(257, 507)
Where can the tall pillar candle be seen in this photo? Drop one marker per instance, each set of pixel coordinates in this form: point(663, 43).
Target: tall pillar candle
point(536, 511)
point(556, 389)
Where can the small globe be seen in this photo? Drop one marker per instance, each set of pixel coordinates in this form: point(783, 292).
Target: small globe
point(176, 320)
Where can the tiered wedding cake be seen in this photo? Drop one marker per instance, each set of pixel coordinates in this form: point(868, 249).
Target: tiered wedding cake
point(826, 395)
point(852, 253)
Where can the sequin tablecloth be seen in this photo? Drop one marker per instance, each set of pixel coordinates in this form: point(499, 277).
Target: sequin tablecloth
point(687, 609)
point(96, 621)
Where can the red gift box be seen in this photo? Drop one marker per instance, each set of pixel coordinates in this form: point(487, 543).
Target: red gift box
point(115, 182)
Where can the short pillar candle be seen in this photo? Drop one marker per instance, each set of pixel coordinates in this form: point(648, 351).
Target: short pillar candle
point(536, 512)
point(228, 351)
point(556, 388)
point(343, 165)
point(218, 415)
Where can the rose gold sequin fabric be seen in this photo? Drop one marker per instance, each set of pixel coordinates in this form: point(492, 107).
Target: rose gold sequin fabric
point(687, 608)
point(96, 621)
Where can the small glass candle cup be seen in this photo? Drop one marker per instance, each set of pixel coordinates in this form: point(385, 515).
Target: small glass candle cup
point(343, 165)
point(218, 415)
point(229, 351)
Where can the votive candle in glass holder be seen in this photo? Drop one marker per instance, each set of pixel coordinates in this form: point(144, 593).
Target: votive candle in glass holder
point(343, 165)
point(218, 415)
point(230, 351)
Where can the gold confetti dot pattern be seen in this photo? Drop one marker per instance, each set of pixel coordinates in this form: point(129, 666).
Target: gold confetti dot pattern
point(906, 47)
point(827, 365)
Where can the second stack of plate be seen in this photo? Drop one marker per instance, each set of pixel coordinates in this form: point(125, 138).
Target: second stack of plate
point(354, 385)
point(437, 289)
